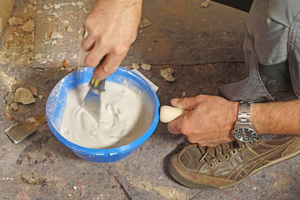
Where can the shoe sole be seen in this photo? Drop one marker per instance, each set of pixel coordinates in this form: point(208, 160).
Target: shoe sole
point(177, 176)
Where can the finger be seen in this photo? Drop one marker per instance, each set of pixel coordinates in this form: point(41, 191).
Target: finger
point(211, 144)
point(175, 125)
point(109, 66)
point(88, 43)
point(188, 103)
point(94, 56)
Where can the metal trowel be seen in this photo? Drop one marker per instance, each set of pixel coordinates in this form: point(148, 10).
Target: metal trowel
point(92, 100)
point(20, 131)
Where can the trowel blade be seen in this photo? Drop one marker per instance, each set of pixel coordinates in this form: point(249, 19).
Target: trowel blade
point(20, 131)
point(92, 104)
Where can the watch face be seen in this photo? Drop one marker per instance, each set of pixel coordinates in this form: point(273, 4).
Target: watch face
point(245, 134)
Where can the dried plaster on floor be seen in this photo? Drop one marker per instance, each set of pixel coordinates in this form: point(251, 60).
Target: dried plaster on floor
point(166, 192)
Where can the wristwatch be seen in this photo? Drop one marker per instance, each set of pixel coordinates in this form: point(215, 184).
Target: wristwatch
point(243, 129)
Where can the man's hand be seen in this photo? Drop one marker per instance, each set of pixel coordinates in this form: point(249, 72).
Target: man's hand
point(209, 122)
point(112, 27)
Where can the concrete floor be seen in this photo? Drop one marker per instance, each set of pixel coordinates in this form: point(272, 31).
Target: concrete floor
point(40, 167)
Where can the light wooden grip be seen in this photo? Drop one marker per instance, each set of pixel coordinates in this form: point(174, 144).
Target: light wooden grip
point(169, 113)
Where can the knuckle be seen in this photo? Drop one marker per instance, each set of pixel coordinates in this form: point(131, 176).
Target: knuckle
point(108, 69)
point(90, 62)
point(121, 50)
point(185, 129)
point(199, 97)
point(89, 21)
point(192, 140)
point(103, 41)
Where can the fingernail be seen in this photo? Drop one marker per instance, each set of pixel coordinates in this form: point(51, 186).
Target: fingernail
point(174, 101)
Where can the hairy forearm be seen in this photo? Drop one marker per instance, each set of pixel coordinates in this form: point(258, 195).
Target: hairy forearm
point(276, 117)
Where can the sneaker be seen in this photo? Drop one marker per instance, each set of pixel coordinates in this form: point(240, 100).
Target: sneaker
point(228, 164)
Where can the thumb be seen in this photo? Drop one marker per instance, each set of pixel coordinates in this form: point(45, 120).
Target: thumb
point(188, 103)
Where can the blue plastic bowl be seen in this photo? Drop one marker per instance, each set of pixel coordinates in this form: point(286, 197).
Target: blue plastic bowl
point(56, 105)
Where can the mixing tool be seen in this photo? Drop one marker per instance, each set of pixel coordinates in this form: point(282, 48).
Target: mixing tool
point(92, 101)
point(169, 113)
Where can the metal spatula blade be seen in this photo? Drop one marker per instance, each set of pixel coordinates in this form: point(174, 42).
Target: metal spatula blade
point(20, 131)
point(92, 101)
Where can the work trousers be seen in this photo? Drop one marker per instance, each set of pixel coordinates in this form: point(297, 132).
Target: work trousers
point(271, 49)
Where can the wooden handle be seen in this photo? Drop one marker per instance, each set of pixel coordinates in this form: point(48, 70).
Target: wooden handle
point(169, 113)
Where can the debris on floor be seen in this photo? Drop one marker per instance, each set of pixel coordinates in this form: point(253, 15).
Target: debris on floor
point(56, 35)
point(28, 26)
point(205, 4)
point(135, 66)
point(14, 106)
point(9, 116)
point(4, 58)
point(145, 23)
point(34, 90)
point(167, 74)
point(69, 29)
point(24, 96)
point(57, 21)
point(42, 58)
point(15, 21)
point(64, 63)
point(18, 40)
point(129, 67)
point(145, 66)
point(9, 97)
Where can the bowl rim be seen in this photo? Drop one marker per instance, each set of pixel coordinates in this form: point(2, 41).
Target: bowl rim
point(109, 151)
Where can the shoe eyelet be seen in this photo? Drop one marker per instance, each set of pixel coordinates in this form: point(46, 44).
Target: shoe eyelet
point(243, 147)
point(250, 143)
point(219, 161)
point(234, 151)
point(226, 157)
point(257, 139)
point(211, 165)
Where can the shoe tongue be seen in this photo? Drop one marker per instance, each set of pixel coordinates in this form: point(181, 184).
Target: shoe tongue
point(212, 151)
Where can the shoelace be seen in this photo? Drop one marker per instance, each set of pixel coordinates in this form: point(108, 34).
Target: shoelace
point(215, 152)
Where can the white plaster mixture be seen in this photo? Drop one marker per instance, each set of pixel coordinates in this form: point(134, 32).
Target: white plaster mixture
point(124, 118)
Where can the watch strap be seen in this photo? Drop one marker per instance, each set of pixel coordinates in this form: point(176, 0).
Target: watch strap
point(244, 111)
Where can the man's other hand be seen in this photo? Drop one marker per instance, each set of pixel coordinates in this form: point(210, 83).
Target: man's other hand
point(209, 122)
point(112, 27)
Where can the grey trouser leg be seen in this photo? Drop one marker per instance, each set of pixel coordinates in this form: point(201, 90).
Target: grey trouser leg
point(271, 27)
